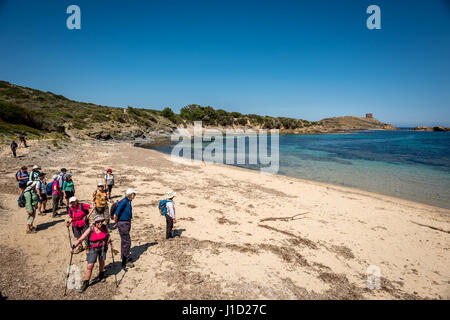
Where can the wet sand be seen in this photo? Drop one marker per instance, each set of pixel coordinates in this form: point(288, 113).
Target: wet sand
point(243, 234)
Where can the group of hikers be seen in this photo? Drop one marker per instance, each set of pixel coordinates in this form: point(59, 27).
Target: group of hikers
point(90, 223)
point(14, 144)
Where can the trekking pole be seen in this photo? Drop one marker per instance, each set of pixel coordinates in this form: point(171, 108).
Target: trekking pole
point(70, 263)
point(112, 255)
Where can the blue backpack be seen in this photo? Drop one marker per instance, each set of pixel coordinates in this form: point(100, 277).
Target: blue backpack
point(163, 207)
point(48, 189)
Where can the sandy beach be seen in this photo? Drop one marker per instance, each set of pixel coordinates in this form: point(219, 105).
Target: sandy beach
point(243, 234)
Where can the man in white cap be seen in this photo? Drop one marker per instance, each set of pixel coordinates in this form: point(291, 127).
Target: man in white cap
point(122, 219)
point(170, 216)
point(31, 201)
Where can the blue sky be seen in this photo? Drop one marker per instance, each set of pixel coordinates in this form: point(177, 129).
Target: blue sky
point(303, 59)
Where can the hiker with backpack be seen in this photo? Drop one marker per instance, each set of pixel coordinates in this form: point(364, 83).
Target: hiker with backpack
point(100, 202)
point(109, 182)
point(34, 174)
point(61, 178)
point(97, 240)
point(41, 190)
point(122, 218)
point(31, 201)
point(22, 179)
point(22, 140)
point(78, 217)
point(14, 147)
point(167, 209)
point(68, 189)
point(56, 194)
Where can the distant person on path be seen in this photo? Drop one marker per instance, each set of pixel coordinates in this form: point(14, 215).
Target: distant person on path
point(22, 178)
point(68, 189)
point(34, 174)
point(170, 216)
point(98, 238)
point(109, 182)
point(78, 217)
point(61, 178)
point(100, 201)
point(122, 218)
point(56, 194)
point(14, 147)
point(22, 140)
point(41, 190)
point(31, 201)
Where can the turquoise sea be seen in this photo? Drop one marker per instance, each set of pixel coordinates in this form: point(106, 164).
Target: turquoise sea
point(406, 164)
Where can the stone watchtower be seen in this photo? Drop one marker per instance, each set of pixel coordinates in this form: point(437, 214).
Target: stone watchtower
point(369, 116)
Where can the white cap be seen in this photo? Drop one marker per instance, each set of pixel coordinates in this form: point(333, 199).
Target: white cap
point(55, 177)
point(100, 184)
point(73, 199)
point(171, 194)
point(130, 191)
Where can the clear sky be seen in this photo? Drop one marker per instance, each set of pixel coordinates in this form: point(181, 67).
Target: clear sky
point(303, 59)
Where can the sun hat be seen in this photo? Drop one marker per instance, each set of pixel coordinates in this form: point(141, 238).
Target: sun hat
point(24, 168)
point(41, 174)
point(73, 199)
point(98, 218)
point(171, 194)
point(55, 176)
point(130, 191)
point(36, 167)
point(63, 169)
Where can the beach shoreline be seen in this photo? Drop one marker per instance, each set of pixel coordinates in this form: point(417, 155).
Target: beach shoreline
point(244, 235)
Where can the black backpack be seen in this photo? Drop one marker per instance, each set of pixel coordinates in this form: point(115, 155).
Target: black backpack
point(113, 209)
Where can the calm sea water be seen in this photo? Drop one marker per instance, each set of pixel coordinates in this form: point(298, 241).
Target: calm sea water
point(405, 164)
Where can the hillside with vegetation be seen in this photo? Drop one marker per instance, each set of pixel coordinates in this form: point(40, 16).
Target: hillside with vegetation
point(42, 114)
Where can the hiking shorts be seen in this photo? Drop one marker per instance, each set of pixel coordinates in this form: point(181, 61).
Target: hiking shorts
point(78, 231)
point(69, 194)
point(96, 252)
point(44, 198)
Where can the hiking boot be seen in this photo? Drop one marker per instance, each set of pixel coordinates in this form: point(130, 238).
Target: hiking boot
point(101, 276)
point(130, 264)
point(84, 286)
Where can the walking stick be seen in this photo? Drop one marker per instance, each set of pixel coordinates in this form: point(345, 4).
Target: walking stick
point(70, 263)
point(112, 255)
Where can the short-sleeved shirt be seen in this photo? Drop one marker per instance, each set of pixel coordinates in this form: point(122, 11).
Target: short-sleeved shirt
point(41, 186)
point(56, 190)
point(109, 179)
point(68, 186)
point(100, 198)
point(20, 174)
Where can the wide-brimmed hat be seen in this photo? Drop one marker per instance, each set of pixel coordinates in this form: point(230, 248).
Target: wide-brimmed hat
point(98, 218)
point(24, 168)
point(42, 174)
point(36, 167)
point(129, 191)
point(63, 169)
point(171, 194)
point(73, 199)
